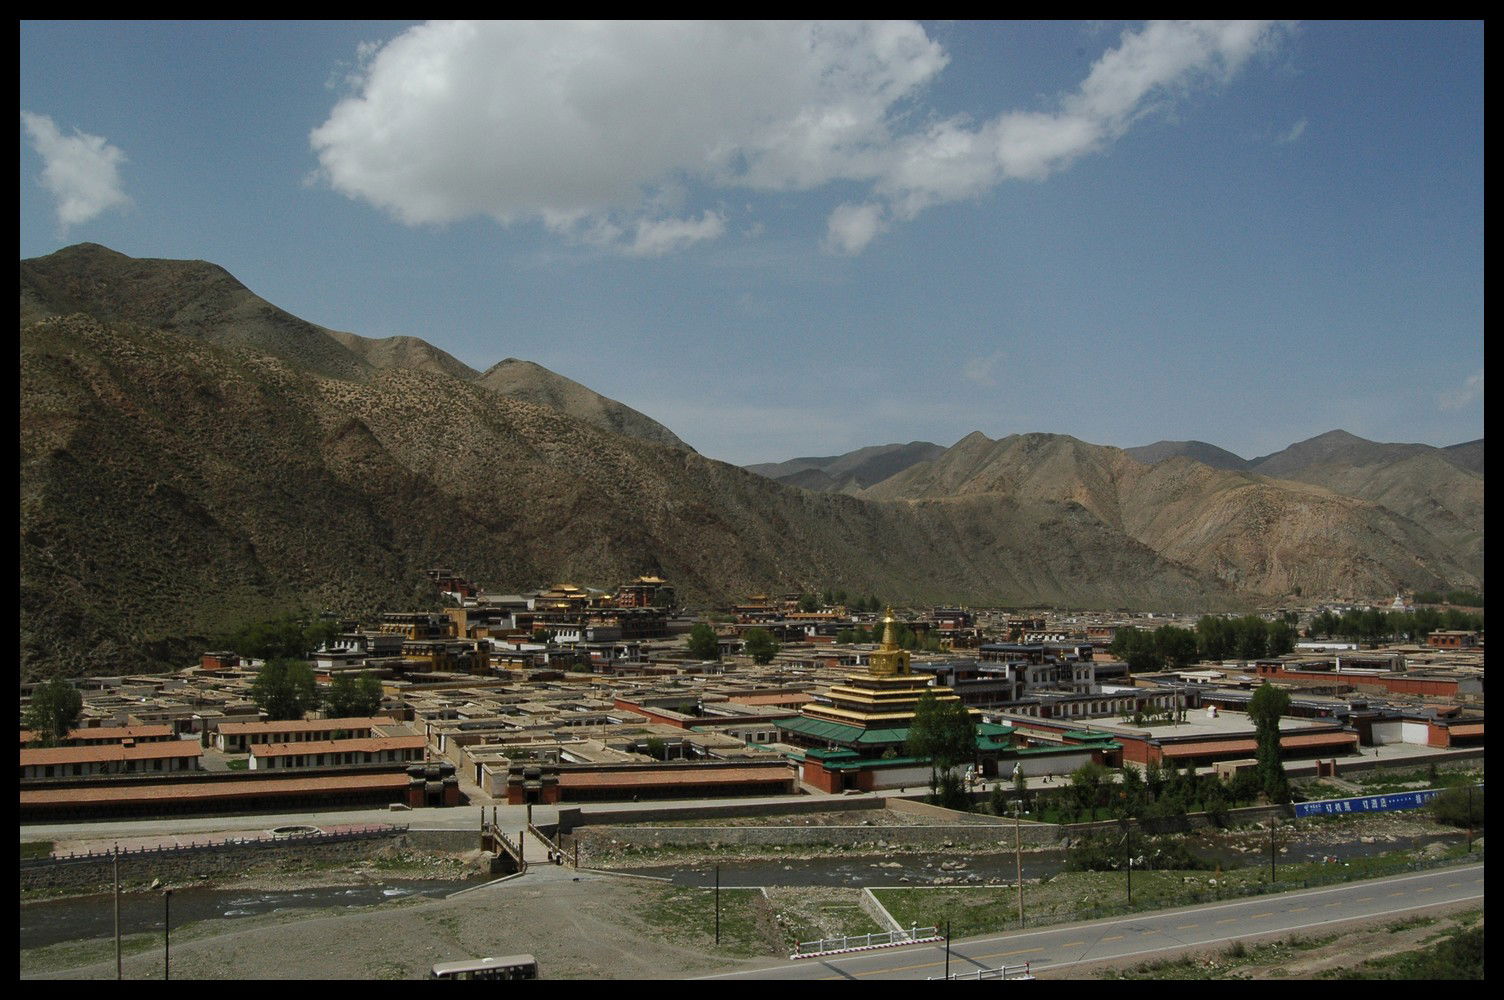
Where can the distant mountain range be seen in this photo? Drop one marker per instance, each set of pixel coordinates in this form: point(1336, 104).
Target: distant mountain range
point(193, 457)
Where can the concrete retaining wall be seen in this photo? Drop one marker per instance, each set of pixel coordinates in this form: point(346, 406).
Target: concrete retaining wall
point(856, 838)
point(137, 870)
point(571, 817)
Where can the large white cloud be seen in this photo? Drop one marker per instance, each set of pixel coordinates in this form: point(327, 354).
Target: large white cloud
point(583, 126)
point(81, 171)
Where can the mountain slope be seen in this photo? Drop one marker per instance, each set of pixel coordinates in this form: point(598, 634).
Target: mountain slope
point(172, 488)
point(532, 383)
point(851, 472)
point(1198, 451)
point(1249, 531)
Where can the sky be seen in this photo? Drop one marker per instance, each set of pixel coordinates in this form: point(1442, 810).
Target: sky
point(787, 239)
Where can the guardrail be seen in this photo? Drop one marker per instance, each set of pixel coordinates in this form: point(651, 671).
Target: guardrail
point(272, 840)
point(1001, 972)
point(865, 942)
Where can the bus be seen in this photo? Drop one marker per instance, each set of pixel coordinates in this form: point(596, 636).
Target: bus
point(508, 967)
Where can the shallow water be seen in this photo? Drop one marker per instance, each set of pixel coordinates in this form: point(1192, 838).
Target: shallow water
point(84, 917)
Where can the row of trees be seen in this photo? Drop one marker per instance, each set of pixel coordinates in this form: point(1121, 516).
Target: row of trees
point(1247, 638)
point(1465, 598)
point(904, 635)
point(286, 689)
point(757, 642)
point(1374, 625)
point(282, 638)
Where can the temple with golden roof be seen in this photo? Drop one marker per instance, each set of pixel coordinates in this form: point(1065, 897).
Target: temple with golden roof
point(858, 740)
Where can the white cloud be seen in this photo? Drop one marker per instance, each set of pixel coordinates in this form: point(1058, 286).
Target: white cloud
point(1295, 132)
point(1470, 389)
point(591, 128)
point(81, 171)
point(851, 227)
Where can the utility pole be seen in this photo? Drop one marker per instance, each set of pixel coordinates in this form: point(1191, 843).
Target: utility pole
point(118, 973)
point(166, 933)
point(1018, 854)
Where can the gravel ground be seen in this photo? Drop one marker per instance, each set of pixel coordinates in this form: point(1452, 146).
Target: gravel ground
point(586, 929)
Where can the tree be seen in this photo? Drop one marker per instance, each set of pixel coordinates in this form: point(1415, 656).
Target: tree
point(946, 733)
point(353, 697)
point(1137, 648)
point(1265, 708)
point(285, 689)
point(758, 644)
point(1086, 787)
point(704, 643)
point(54, 710)
point(1175, 647)
point(1281, 639)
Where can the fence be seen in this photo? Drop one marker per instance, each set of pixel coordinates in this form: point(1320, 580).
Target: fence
point(229, 843)
point(865, 942)
point(1001, 972)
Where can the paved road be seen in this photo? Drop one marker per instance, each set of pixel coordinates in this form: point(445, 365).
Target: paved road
point(1141, 935)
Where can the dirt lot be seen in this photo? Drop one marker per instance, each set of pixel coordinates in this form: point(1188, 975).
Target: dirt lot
point(593, 928)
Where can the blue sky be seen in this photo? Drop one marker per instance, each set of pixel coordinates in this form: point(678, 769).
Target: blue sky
point(786, 240)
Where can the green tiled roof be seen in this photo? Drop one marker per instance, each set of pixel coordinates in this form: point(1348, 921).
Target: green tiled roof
point(837, 732)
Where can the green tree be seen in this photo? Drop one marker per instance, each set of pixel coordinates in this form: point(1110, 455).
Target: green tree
point(1215, 637)
point(758, 644)
point(1086, 788)
point(704, 643)
point(285, 689)
point(1265, 708)
point(1281, 639)
point(1137, 649)
point(946, 733)
point(53, 711)
point(1175, 647)
point(353, 697)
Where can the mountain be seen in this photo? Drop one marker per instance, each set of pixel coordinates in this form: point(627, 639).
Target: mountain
point(533, 383)
point(1468, 455)
point(1269, 536)
point(851, 472)
point(191, 297)
point(1197, 451)
point(1438, 488)
point(193, 458)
